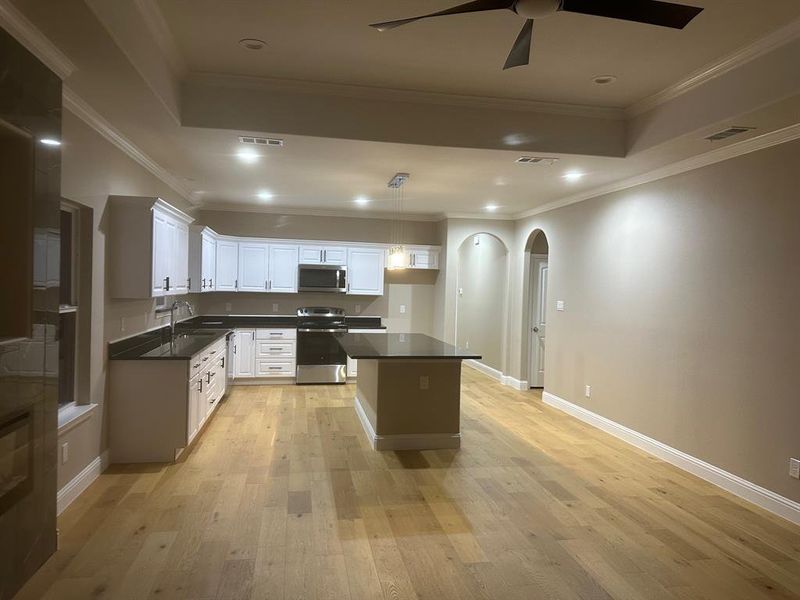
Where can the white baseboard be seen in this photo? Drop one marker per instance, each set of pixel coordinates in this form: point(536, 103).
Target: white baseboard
point(78, 484)
point(517, 384)
point(766, 499)
point(415, 441)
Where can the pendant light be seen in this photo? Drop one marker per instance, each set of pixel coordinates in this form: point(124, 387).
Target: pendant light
point(398, 257)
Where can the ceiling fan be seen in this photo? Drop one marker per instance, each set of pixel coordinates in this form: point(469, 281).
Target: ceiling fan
point(652, 12)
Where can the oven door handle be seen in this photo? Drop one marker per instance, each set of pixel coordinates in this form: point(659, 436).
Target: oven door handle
point(322, 330)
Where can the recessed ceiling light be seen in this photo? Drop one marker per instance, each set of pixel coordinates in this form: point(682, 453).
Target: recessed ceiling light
point(252, 43)
point(50, 142)
point(361, 200)
point(491, 207)
point(247, 156)
point(573, 176)
point(264, 195)
point(604, 79)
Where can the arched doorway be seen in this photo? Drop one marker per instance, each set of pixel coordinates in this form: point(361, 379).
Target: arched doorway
point(481, 297)
point(538, 253)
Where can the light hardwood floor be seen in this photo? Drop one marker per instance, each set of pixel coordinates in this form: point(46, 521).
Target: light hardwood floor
point(283, 498)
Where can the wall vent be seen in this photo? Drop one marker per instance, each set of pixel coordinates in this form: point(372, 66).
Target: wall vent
point(726, 133)
point(260, 141)
point(536, 160)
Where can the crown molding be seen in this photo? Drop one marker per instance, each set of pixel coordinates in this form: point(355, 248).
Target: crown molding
point(395, 95)
point(318, 212)
point(480, 216)
point(159, 29)
point(761, 142)
point(27, 34)
point(76, 105)
point(768, 43)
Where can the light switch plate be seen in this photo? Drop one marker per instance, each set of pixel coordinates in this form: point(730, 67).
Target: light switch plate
point(122, 324)
point(588, 391)
point(560, 305)
point(794, 468)
point(64, 453)
point(227, 307)
point(424, 382)
point(402, 309)
point(274, 307)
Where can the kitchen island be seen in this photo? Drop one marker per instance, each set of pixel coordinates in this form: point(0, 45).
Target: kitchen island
point(408, 395)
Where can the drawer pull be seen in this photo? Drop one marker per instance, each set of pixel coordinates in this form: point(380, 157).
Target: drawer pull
point(276, 368)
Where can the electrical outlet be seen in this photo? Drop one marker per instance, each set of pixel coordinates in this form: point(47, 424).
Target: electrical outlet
point(402, 309)
point(794, 468)
point(358, 308)
point(64, 453)
point(227, 307)
point(560, 305)
point(588, 391)
point(424, 382)
point(122, 324)
point(274, 307)
point(460, 291)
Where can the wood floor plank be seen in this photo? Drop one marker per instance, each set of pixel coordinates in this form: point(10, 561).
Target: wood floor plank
point(283, 498)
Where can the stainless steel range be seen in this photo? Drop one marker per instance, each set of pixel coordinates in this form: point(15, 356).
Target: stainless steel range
point(320, 359)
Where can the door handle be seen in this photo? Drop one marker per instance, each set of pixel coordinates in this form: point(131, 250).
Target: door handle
point(535, 330)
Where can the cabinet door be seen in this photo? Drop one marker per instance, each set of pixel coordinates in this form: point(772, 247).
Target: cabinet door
point(208, 251)
point(227, 265)
point(352, 367)
point(161, 251)
point(253, 267)
point(310, 255)
point(423, 259)
point(192, 414)
point(365, 271)
point(180, 259)
point(244, 363)
point(334, 255)
point(283, 268)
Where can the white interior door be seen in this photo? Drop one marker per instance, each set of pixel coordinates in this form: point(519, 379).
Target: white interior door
point(538, 320)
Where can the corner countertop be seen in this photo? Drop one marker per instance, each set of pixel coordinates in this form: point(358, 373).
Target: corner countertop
point(400, 345)
point(156, 345)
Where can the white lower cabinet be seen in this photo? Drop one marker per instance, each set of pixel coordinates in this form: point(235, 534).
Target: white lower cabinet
point(352, 363)
point(265, 353)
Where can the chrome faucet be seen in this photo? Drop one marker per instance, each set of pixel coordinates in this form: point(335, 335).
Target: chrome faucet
point(171, 309)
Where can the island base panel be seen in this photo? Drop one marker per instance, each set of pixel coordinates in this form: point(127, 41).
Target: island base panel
point(396, 410)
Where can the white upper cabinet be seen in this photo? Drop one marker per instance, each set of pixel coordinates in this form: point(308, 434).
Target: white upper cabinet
point(202, 259)
point(227, 265)
point(323, 255)
point(283, 261)
point(253, 267)
point(423, 258)
point(365, 271)
point(149, 248)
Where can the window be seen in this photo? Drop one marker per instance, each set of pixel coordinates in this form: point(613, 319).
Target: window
point(68, 305)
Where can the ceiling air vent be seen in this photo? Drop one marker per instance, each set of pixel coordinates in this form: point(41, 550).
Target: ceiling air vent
point(726, 133)
point(536, 160)
point(260, 141)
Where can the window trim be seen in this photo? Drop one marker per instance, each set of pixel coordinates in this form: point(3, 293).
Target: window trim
point(67, 412)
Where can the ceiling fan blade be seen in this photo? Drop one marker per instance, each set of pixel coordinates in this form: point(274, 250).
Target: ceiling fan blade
point(653, 12)
point(469, 7)
point(521, 50)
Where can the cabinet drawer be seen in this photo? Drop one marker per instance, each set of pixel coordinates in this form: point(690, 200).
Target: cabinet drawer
point(276, 334)
point(274, 368)
point(268, 349)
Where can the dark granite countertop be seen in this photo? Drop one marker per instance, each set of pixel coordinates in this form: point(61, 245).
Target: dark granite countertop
point(400, 345)
point(266, 321)
point(156, 345)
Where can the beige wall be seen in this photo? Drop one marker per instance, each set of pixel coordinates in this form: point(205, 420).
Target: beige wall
point(93, 169)
point(318, 227)
point(481, 298)
point(682, 311)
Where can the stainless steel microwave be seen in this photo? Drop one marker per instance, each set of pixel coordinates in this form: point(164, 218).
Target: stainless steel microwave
point(322, 278)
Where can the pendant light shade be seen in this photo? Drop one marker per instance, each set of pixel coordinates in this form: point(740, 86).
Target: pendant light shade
point(398, 257)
